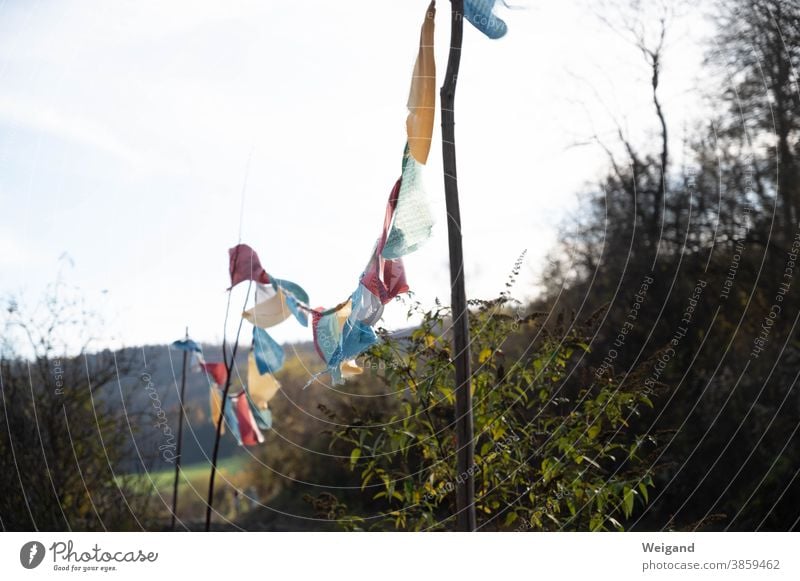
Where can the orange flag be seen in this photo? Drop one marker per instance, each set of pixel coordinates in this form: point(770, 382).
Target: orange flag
point(216, 408)
point(422, 97)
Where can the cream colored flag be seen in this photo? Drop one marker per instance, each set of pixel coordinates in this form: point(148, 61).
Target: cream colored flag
point(422, 97)
point(262, 388)
point(270, 308)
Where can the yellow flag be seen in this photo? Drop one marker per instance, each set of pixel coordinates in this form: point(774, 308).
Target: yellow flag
point(262, 388)
point(216, 408)
point(350, 368)
point(343, 313)
point(422, 97)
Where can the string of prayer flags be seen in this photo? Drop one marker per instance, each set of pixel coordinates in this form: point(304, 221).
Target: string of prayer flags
point(422, 96)
point(480, 13)
point(268, 354)
point(346, 331)
point(245, 265)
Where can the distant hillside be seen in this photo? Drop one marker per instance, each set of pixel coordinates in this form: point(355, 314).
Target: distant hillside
point(160, 366)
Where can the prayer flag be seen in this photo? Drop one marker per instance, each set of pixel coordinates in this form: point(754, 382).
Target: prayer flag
point(480, 14)
point(422, 96)
point(413, 220)
point(269, 354)
point(217, 371)
point(187, 345)
point(245, 265)
point(261, 387)
point(216, 408)
point(249, 433)
point(270, 309)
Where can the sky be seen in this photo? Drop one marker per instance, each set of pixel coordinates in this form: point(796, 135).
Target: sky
point(137, 136)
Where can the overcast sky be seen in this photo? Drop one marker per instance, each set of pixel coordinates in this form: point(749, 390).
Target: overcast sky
point(126, 128)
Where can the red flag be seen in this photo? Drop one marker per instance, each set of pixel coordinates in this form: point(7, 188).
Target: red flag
point(245, 265)
point(248, 429)
point(217, 371)
point(386, 278)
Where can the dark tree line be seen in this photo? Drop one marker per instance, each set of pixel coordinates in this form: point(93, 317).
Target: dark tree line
point(64, 446)
point(719, 237)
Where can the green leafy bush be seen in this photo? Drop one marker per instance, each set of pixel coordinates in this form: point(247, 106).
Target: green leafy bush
point(554, 448)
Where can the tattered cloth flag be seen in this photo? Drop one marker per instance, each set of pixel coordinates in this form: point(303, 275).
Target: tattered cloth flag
point(232, 419)
point(245, 265)
point(270, 309)
point(385, 278)
point(215, 404)
point(339, 339)
point(230, 414)
point(260, 389)
point(481, 14)
point(422, 96)
point(413, 221)
point(192, 348)
point(269, 354)
point(187, 345)
point(276, 302)
point(217, 371)
point(295, 297)
point(351, 368)
point(249, 434)
point(366, 307)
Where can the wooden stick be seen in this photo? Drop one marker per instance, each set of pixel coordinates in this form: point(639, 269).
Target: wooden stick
point(180, 437)
point(229, 368)
point(465, 489)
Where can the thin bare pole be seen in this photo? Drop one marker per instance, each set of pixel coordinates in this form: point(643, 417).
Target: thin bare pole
point(180, 436)
point(229, 368)
point(465, 488)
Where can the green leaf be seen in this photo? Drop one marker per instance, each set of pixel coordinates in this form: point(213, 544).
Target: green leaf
point(510, 518)
point(354, 456)
point(643, 490)
point(627, 500)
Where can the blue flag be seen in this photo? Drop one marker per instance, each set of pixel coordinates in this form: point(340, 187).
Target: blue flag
point(268, 353)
